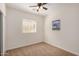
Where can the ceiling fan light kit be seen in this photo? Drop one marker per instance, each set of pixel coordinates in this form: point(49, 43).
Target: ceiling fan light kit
point(40, 6)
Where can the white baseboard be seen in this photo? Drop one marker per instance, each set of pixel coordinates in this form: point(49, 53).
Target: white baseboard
point(62, 48)
point(52, 45)
point(23, 45)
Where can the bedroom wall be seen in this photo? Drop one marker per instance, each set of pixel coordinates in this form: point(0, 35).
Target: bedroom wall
point(14, 36)
point(68, 37)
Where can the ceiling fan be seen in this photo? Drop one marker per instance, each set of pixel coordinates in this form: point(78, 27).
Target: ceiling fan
point(40, 5)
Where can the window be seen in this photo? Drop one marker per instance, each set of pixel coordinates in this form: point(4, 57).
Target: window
point(29, 26)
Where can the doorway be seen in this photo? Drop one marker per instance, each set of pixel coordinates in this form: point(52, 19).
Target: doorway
point(1, 33)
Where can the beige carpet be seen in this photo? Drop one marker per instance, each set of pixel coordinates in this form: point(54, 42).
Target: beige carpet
point(40, 49)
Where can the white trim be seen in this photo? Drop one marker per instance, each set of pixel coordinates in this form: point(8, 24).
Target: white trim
point(4, 16)
point(62, 48)
point(23, 45)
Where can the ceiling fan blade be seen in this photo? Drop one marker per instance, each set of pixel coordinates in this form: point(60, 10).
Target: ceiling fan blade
point(45, 8)
point(32, 6)
point(44, 3)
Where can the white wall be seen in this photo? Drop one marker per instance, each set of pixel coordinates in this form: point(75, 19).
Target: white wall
point(68, 37)
point(14, 36)
point(2, 7)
